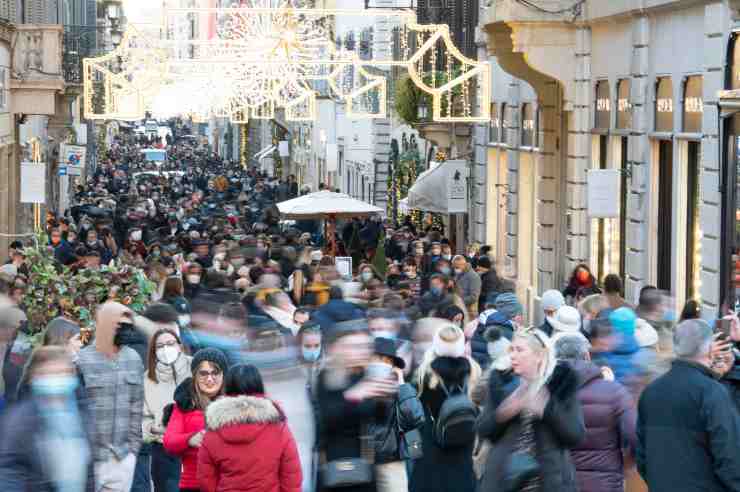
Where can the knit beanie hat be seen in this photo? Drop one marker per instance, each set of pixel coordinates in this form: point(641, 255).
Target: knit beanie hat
point(508, 305)
point(623, 320)
point(212, 355)
point(449, 348)
point(566, 320)
point(552, 300)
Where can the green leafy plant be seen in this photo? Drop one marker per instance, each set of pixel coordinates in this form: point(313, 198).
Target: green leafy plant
point(55, 290)
point(409, 97)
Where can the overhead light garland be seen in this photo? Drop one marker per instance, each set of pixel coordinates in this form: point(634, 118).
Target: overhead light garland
point(247, 60)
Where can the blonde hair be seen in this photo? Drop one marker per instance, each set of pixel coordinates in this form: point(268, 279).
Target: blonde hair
point(449, 333)
point(541, 345)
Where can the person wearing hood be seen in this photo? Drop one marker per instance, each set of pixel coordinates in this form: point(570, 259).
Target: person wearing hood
point(623, 355)
point(609, 415)
point(248, 446)
point(168, 367)
point(552, 300)
point(567, 321)
point(186, 425)
point(506, 317)
point(112, 375)
point(336, 310)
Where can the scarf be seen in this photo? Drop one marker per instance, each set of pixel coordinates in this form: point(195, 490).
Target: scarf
point(177, 372)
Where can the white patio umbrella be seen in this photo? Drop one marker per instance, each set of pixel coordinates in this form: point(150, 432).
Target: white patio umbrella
point(326, 205)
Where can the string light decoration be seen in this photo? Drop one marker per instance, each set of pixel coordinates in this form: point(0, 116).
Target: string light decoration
point(248, 59)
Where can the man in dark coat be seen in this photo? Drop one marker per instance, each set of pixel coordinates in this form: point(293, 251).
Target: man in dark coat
point(609, 414)
point(688, 428)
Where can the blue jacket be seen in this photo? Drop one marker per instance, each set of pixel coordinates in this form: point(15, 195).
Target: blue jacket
point(336, 311)
point(627, 360)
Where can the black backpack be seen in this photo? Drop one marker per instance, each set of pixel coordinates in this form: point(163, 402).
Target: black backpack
point(455, 425)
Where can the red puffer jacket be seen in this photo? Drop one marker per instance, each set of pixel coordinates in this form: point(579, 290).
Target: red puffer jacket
point(186, 420)
point(248, 448)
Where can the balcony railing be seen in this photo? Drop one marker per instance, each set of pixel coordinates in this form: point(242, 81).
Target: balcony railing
point(80, 42)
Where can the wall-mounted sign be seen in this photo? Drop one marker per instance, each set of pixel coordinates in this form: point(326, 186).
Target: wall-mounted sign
point(624, 106)
point(33, 182)
point(664, 105)
point(693, 104)
point(603, 105)
point(603, 193)
point(528, 125)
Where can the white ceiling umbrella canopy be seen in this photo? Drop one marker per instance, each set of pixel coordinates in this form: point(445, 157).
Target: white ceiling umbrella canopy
point(323, 204)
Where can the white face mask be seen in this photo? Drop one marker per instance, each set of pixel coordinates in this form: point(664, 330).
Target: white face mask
point(447, 257)
point(168, 355)
point(220, 257)
point(194, 279)
point(136, 236)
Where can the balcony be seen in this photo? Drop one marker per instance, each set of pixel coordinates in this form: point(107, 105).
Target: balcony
point(36, 73)
point(534, 11)
point(80, 42)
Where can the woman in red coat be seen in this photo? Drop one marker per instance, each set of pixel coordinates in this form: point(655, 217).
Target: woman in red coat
point(248, 446)
point(186, 426)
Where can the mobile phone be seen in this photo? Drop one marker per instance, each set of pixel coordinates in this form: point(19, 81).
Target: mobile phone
point(723, 326)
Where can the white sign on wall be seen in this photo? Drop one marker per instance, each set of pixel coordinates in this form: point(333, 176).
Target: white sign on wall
point(603, 193)
point(33, 182)
point(332, 157)
point(283, 148)
point(457, 186)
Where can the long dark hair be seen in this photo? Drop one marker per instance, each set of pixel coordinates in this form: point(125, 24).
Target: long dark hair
point(244, 379)
point(151, 372)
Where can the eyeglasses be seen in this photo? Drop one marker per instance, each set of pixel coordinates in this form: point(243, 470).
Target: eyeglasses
point(204, 375)
point(532, 330)
point(171, 343)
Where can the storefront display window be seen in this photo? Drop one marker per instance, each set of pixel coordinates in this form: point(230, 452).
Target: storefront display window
point(603, 106)
point(664, 105)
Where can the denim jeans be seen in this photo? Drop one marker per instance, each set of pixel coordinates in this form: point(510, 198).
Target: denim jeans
point(142, 479)
point(165, 470)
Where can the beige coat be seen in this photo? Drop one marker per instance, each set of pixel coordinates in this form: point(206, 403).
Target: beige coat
point(160, 394)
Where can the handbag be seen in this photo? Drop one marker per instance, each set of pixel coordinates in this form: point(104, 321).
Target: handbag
point(348, 472)
point(410, 445)
point(521, 468)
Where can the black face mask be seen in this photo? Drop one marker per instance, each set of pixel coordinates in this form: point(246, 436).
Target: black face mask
point(125, 329)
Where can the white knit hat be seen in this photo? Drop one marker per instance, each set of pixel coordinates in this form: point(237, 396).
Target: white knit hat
point(552, 300)
point(566, 320)
point(444, 348)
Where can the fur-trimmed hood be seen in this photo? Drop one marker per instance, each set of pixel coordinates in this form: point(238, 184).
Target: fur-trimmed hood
point(563, 383)
point(242, 418)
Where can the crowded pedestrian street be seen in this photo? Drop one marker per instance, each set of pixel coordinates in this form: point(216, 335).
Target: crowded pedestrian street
point(369, 246)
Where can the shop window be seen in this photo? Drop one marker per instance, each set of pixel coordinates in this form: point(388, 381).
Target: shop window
point(603, 105)
point(664, 105)
point(693, 104)
point(665, 214)
point(693, 227)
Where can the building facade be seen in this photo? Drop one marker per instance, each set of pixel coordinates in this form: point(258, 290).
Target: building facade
point(624, 85)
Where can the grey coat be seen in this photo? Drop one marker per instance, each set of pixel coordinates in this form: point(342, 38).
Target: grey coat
point(560, 429)
point(469, 284)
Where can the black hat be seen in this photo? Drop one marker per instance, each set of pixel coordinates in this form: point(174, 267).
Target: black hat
point(212, 355)
point(387, 347)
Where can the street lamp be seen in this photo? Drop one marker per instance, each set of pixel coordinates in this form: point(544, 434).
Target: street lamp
point(423, 108)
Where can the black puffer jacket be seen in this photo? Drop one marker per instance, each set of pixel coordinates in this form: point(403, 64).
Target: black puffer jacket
point(560, 429)
point(405, 414)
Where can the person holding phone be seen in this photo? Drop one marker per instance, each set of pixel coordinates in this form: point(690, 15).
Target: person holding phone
point(726, 353)
point(404, 415)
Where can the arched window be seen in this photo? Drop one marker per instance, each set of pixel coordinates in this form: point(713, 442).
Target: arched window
point(528, 125)
point(624, 106)
point(693, 104)
point(664, 105)
point(602, 105)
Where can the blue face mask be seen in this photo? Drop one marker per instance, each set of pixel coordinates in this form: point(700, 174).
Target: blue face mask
point(445, 270)
point(311, 354)
point(436, 291)
point(669, 315)
point(54, 385)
